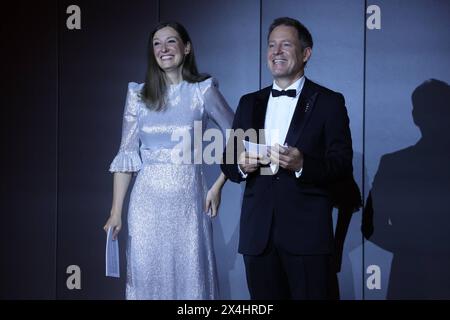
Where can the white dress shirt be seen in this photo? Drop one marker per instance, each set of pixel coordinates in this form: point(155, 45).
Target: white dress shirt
point(278, 118)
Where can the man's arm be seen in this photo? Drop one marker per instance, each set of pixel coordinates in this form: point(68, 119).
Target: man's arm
point(337, 162)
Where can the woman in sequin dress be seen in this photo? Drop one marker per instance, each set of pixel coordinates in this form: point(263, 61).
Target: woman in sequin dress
point(170, 248)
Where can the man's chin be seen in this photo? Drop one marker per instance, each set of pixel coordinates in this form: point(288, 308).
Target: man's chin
point(278, 74)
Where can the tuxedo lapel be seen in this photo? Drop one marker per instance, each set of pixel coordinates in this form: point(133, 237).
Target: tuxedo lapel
point(260, 109)
point(302, 113)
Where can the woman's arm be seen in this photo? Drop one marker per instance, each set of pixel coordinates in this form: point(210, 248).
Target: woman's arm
point(120, 187)
point(221, 179)
point(214, 195)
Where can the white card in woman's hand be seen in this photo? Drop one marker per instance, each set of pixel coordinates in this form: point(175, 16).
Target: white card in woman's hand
point(112, 255)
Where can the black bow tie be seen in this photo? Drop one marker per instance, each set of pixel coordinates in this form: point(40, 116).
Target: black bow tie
point(290, 93)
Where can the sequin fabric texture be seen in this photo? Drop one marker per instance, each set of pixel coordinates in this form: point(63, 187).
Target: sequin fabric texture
point(170, 248)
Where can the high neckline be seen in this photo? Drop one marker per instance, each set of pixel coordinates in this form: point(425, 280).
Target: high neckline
point(173, 85)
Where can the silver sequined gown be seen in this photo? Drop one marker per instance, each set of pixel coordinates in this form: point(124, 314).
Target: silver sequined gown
point(169, 249)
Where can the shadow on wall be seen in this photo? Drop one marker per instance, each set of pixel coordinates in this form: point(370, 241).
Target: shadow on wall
point(348, 241)
point(347, 199)
point(407, 211)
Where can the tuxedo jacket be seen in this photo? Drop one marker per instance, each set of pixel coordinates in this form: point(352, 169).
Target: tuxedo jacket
point(298, 209)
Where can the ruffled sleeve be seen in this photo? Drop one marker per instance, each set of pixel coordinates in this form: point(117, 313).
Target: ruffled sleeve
point(216, 106)
point(128, 158)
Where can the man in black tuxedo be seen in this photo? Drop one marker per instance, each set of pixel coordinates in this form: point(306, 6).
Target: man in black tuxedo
point(286, 229)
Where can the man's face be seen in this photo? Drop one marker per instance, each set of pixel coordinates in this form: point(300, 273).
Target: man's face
point(284, 53)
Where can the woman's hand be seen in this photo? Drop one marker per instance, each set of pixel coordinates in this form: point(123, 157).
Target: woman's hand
point(114, 222)
point(213, 200)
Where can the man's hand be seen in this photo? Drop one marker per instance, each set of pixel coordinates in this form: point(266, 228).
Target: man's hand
point(250, 162)
point(289, 158)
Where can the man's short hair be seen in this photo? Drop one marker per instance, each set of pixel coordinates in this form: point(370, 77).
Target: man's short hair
point(303, 32)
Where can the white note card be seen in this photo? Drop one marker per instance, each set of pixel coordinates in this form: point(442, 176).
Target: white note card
point(112, 255)
point(256, 148)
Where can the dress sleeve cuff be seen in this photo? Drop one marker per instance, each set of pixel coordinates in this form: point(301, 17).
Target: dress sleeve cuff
point(126, 161)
